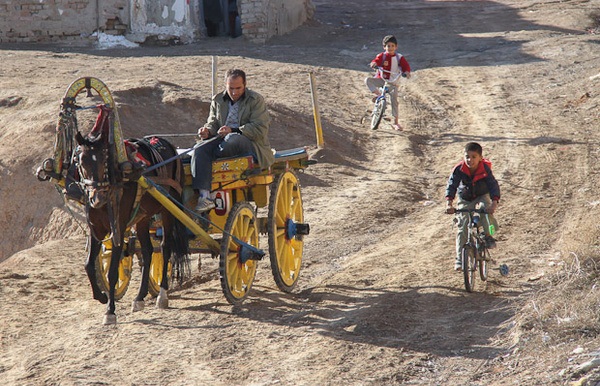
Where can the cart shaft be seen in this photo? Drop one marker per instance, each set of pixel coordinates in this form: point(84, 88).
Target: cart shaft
point(180, 215)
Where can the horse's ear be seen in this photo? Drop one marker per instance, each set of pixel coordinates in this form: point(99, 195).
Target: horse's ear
point(79, 138)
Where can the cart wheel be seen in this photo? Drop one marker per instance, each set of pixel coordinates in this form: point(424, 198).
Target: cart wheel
point(103, 265)
point(156, 268)
point(285, 243)
point(235, 270)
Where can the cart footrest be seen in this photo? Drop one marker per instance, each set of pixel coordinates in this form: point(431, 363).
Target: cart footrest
point(290, 154)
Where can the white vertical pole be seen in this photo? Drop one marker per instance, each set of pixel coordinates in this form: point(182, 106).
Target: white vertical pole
point(214, 75)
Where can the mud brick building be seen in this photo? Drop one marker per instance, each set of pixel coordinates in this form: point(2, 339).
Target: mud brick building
point(177, 21)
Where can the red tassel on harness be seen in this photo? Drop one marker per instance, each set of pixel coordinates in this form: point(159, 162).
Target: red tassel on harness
point(102, 124)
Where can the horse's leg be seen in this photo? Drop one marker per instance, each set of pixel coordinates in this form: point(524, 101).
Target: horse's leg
point(113, 277)
point(143, 234)
point(162, 301)
point(90, 268)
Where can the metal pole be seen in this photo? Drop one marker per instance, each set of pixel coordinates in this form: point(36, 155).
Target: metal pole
point(214, 75)
point(317, 116)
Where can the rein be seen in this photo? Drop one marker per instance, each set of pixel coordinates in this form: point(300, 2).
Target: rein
point(163, 163)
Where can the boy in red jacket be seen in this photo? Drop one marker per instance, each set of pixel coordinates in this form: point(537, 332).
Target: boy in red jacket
point(392, 63)
point(474, 182)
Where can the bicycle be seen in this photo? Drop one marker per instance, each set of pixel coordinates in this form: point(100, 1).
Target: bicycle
point(475, 254)
point(381, 101)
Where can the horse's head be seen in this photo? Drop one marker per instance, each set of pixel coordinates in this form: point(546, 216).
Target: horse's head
point(92, 163)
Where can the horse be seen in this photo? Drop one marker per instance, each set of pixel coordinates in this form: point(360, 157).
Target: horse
point(113, 204)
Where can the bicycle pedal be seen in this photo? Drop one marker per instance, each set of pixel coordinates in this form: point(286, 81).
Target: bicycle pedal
point(504, 270)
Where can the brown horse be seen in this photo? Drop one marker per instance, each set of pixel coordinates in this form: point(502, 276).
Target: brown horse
point(113, 205)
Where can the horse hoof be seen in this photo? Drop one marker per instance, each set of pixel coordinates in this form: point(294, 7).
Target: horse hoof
point(162, 301)
point(137, 305)
point(110, 319)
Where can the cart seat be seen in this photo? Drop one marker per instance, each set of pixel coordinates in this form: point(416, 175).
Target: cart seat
point(238, 163)
point(223, 169)
point(235, 168)
point(244, 163)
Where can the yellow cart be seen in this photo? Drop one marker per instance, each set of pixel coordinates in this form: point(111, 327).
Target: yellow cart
point(231, 231)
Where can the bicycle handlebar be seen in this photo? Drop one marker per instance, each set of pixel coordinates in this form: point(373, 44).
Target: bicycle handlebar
point(483, 211)
point(400, 74)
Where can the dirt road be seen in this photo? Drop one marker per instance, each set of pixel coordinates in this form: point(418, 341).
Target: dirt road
point(377, 302)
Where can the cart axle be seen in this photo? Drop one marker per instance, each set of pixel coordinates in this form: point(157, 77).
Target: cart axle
point(248, 252)
point(296, 229)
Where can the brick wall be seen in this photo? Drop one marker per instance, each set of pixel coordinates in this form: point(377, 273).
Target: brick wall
point(59, 20)
point(262, 19)
point(54, 20)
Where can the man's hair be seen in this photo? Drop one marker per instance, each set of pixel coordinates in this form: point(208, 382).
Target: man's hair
point(390, 39)
point(235, 73)
point(474, 146)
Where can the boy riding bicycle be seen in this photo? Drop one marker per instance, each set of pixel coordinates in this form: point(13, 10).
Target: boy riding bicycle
point(472, 178)
point(392, 64)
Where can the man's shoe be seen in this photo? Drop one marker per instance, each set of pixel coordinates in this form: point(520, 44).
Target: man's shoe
point(490, 242)
point(458, 265)
point(204, 205)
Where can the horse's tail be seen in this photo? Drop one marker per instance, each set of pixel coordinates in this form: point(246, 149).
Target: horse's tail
point(181, 252)
point(181, 245)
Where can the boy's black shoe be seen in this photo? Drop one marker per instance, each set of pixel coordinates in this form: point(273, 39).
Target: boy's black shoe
point(490, 242)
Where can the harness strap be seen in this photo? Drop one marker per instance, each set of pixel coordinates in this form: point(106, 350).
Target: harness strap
point(161, 179)
point(167, 181)
point(135, 215)
point(94, 184)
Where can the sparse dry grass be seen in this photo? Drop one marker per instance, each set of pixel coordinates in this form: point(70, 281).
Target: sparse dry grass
point(566, 307)
point(594, 27)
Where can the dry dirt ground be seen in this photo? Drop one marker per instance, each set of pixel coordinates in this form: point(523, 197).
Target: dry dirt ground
point(377, 302)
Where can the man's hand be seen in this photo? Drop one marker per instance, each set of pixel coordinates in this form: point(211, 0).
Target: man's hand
point(203, 132)
point(224, 130)
point(449, 207)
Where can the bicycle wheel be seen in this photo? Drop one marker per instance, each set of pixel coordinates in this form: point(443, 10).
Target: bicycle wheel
point(469, 262)
point(378, 111)
point(483, 266)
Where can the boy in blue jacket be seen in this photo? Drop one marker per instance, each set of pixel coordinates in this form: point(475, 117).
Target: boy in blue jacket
point(474, 182)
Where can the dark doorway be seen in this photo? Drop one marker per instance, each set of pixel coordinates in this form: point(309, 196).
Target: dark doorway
point(221, 18)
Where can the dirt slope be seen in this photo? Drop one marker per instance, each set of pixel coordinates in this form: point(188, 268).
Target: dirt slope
point(377, 302)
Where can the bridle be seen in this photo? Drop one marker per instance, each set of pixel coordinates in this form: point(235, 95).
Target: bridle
point(93, 182)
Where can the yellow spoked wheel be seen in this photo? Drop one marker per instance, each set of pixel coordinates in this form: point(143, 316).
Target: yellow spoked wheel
point(156, 271)
point(103, 265)
point(285, 227)
point(236, 266)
